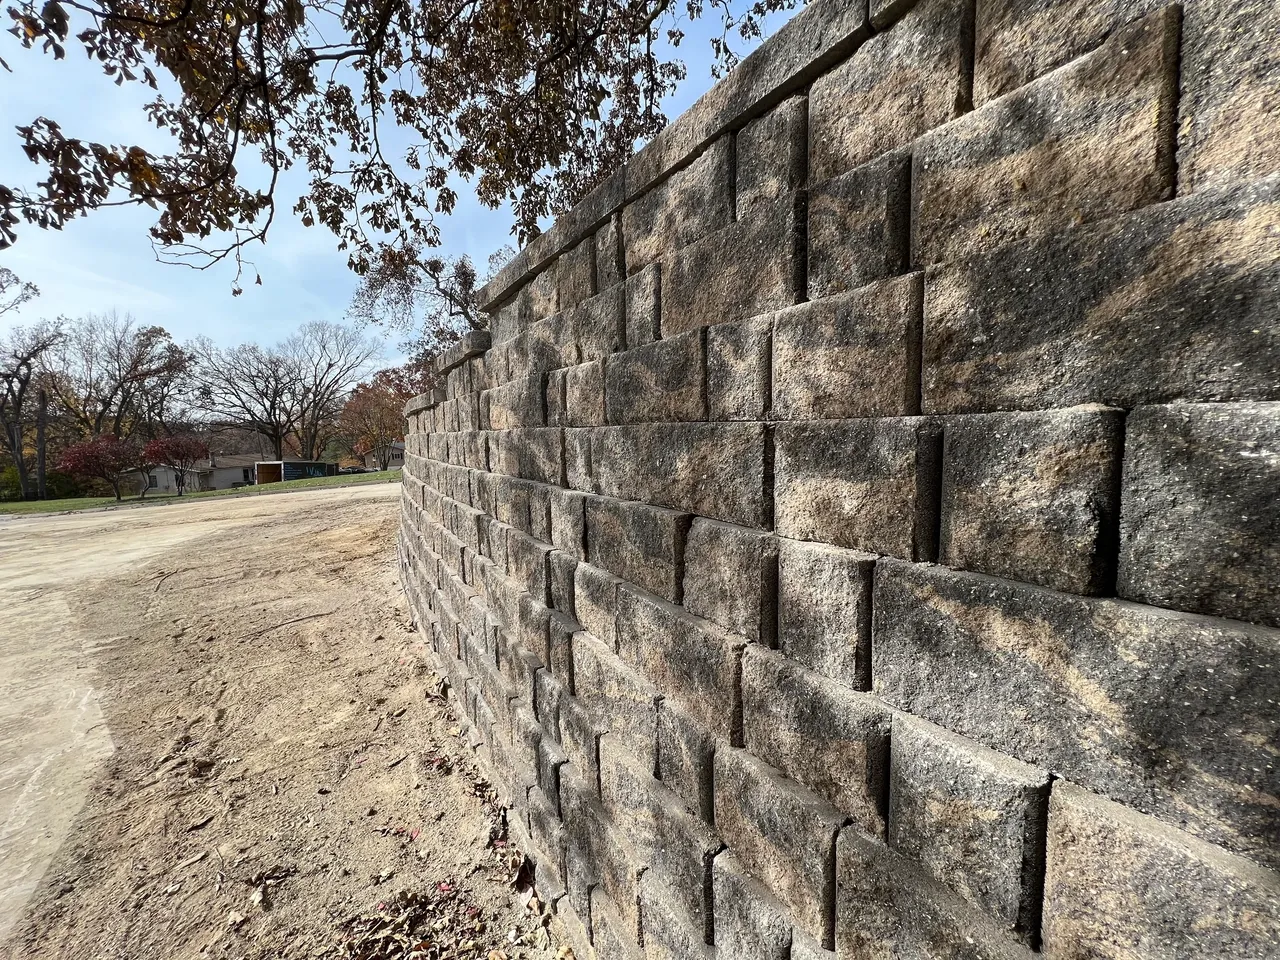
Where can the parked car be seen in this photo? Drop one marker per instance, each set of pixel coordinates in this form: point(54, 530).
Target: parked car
point(353, 470)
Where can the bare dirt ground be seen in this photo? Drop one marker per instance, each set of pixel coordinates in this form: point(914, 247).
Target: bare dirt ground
point(221, 737)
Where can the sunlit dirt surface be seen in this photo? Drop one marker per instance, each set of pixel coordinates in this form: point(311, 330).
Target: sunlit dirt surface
point(220, 736)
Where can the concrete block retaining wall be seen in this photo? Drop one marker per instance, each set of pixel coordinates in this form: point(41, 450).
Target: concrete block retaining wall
point(857, 534)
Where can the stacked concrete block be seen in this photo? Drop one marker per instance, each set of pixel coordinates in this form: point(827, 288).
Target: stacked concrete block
point(1102, 142)
point(855, 534)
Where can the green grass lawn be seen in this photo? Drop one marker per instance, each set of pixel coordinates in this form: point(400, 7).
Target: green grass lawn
point(88, 503)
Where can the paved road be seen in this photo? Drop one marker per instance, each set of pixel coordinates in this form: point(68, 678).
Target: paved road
point(52, 735)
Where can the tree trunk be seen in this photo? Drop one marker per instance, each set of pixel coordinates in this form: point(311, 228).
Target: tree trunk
point(42, 412)
point(13, 434)
point(115, 485)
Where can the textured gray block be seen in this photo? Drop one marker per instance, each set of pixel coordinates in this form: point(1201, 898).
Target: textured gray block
point(749, 921)
point(675, 846)
point(685, 755)
point(690, 660)
point(1085, 143)
point(659, 382)
point(834, 741)
point(577, 274)
point(593, 329)
point(1034, 496)
point(584, 395)
point(899, 85)
point(641, 544)
point(748, 268)
point(1116, 878)
point(527, 564)
point(618, 700)
point(557, 411)
point(864, 484)
point(689, 204)
point(771, 155)
point(595, 602)
point(1229, 120)
point(1122, 699)
point(731, 578)
point(610, 270)
point(1200, 526)
point(613, 932)
point(1175, 305)
point(669, 933)
point(533, 454)
point(972, 819)
point(824, 609)
point(568, 521)
point(783, 835)
point(738, 374)
point(643, 303)
point(887, 907)
point(860, 226)
point(853, 355)
point(713, 470)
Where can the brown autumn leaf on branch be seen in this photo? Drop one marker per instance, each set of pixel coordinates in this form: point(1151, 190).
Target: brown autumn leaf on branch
point(532, 102)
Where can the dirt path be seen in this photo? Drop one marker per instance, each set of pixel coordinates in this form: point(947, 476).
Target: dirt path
point(219, 738)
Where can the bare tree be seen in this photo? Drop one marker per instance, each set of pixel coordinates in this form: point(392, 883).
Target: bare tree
point(111, 376)
point(330, 360)
point(430, 300)
point(247, 386)
point(20, 360)
point(14, 292)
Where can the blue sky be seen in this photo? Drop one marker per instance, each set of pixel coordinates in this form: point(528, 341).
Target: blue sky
point(105, 261)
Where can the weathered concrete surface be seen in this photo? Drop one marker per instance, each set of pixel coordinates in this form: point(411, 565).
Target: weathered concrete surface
point(748, 268)
point(887, 906)
point(658, 382)
point(690, 660)
point(738, 373)
point(1117, 879)
point(639, 543)
point(972, 819)
point(1229, 117)
point(852, 355)
point(730, 577)
point(1083, 144)
point(1121, 698)
point(1176, 305)
point(834, 741)
point(749, 922)
point(715, 471)
point(863, 484)
point(898, 86)
point(859, 226)
point(771, 158)
point(783, 834)
point(824, 610)
point(1200, 523)
point(1034, 496)
point(691, 203)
